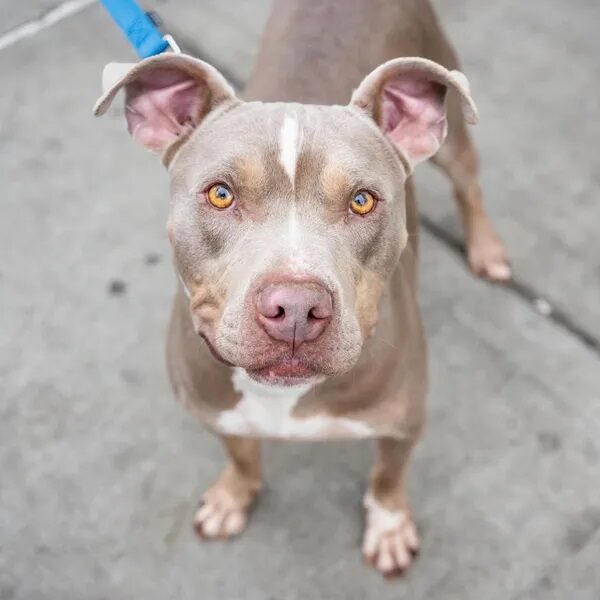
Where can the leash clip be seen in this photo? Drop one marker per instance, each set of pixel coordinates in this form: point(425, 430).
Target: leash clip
point(173, 45)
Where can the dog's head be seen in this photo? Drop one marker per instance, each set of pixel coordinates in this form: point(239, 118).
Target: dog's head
point(286, 219)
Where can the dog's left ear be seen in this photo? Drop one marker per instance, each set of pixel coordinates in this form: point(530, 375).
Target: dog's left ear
point(166, 96)
point(406, 98)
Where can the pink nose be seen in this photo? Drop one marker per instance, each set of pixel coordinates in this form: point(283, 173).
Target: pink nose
point(294, 312)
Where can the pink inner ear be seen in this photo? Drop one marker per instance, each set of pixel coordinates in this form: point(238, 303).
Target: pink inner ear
point(413, 115)
point(161, 106)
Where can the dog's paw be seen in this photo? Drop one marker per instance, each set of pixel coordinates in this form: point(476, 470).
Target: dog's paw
point(488, 258)
point(220, 516)
point(390, 542)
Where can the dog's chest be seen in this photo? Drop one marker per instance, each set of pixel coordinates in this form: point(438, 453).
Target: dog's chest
point(268, 411)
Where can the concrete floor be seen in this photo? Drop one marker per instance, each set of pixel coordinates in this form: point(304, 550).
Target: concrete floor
point(101, 471)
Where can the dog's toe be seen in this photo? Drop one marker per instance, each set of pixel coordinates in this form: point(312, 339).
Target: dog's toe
point(219, 517)
point(392, 554)
point(212, 522)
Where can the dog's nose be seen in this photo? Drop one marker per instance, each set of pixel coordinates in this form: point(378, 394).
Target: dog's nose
point(294, 312)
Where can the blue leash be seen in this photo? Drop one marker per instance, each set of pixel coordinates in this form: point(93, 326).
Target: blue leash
point(139, 28)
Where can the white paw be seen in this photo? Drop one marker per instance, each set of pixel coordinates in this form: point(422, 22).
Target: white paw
point(219, 516)
point(390, 542)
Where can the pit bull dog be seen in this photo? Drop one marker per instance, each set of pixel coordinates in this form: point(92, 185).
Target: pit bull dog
point(294, 233)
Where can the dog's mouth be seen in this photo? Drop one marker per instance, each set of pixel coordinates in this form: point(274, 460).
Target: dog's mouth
point(287, 372)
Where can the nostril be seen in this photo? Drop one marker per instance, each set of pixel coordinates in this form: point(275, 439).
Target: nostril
point(270, 306)
point(317, 315)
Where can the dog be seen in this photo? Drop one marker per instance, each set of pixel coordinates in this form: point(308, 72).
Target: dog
point(294, 232)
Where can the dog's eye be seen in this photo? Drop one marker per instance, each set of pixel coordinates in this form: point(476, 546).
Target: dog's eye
point(220, 196)
point(363, 202)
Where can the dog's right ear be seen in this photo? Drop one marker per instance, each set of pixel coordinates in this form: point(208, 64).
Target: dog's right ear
point(166, 96)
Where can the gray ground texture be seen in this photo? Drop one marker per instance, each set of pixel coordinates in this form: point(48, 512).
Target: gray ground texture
point(101, 470)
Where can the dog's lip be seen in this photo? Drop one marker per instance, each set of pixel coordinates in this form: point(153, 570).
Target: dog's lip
point(289, 371)
point(285, 371)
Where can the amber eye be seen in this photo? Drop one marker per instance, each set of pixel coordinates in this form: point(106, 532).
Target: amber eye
point(220, 196)
point(363, 203)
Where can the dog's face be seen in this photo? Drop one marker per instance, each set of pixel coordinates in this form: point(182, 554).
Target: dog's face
point(286, 220)
point(268, 234)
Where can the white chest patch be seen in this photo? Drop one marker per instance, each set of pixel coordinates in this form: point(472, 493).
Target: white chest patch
point(288, 146)
point(266, 411)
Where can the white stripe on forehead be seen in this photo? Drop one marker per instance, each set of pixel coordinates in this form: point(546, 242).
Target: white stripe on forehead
point(288, 157)
point(288, 146)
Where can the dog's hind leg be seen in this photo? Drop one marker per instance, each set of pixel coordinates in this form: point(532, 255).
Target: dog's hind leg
point(226, 504)
point(390, 540)
point(458, 159)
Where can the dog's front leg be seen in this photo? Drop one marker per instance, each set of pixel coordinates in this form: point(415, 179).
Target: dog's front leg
point(226, 504)
point(390, 540)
